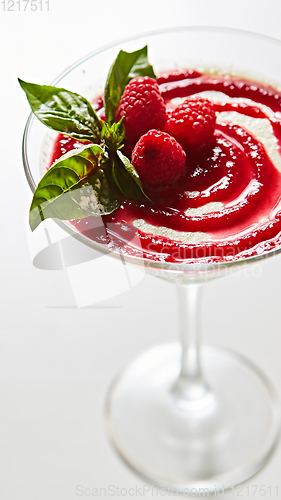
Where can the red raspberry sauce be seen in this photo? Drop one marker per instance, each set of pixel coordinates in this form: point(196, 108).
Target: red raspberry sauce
point(234, 170)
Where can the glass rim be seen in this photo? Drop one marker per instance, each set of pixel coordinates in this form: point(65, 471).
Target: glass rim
point(66, 226)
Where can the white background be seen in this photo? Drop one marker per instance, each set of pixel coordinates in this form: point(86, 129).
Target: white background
point(57, 360)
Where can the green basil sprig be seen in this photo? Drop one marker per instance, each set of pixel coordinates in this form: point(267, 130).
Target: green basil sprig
point(90, 180)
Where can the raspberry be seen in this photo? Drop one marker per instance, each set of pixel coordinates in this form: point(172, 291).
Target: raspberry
point(159, 159)
point(192, 122)
point(142, 106)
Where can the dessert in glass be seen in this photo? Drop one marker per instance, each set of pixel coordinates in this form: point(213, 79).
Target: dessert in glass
point(182, 415)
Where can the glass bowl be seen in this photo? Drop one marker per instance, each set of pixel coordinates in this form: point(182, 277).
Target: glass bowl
point(226, 50)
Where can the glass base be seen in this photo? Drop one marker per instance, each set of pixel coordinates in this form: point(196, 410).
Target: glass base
point(217, 441)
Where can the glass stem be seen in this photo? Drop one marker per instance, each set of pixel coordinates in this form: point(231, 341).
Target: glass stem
point(190, 385)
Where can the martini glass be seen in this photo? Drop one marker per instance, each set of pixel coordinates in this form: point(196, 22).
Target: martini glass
point(182, 415)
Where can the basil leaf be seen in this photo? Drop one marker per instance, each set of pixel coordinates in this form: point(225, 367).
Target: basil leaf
point(126, 178)
point(126, 66)
point(63, 111)
point(73, 188)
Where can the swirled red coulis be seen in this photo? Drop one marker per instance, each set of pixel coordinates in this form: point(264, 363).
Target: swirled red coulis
point(227, 204)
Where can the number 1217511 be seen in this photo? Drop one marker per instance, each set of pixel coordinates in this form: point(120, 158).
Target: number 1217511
point(25, 5)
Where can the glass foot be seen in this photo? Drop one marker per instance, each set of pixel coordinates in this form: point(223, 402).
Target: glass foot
point(218, 440)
